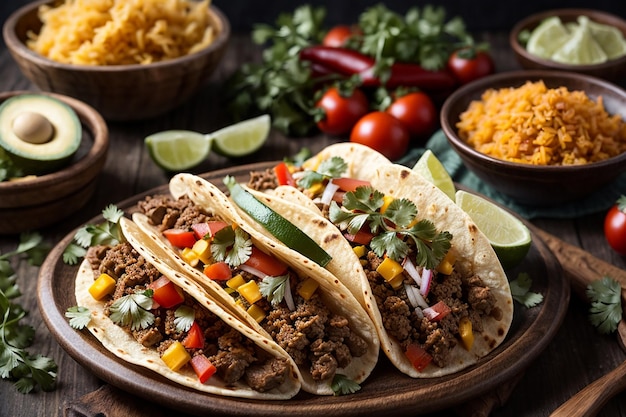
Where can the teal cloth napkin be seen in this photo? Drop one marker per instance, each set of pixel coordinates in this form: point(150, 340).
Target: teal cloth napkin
point(600, 200)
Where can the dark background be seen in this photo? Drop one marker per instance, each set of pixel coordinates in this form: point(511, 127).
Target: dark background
point(479, 15)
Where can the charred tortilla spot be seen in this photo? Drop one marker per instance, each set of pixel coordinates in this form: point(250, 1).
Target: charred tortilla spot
point(472, 228)
point(404, 174)
point(501, 331)
point(331, 238)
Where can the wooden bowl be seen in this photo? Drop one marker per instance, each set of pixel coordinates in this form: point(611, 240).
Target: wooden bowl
point(613, 70)
point(36, 202)
point(118, 92)
point(528, 184)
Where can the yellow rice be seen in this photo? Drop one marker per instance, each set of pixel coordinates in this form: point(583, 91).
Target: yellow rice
point(536, 125)
point(122, 32)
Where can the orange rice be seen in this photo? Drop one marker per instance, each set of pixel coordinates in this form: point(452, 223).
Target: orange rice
point(536, 125)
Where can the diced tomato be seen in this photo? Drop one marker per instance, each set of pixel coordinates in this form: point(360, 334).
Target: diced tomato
point(194, 338)
point(219, 271)
point(362, 237)
point(166, 293)
point(418, 356)
point(180, 238)
point(283, 175)
point(338, 196)
point(349, 184)
point(265, 263)
point(436, 312)
point(208, 228)
point(202, 367)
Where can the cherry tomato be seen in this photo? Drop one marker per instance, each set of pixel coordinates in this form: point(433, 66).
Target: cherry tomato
point(383, 133)
point(341, 113)
point(338, 35)
point(468, 65)
point(418, 113)
point(615, 226)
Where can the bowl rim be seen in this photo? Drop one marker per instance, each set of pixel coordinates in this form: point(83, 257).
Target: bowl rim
point(97, 152)
point(536, 18)
point(18, 47)
point(484, 83)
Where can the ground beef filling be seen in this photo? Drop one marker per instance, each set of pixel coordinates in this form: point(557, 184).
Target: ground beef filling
point(312, 335)
point(466, 297)
point(235, 356)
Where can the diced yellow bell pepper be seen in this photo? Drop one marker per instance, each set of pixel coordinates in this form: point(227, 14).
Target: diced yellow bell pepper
point(190, 256)
point(316, 188)
point(389, 269)
point(176, 356)
point(386, 201)
point(256, 312)
point(446, 266)
point(396, 282)
point(235, 282)
point(102, 286)
point(250, 291)
point(202, 249)
point(466, 333)
point(360, 251)
point(307, 288)
point(239, 302)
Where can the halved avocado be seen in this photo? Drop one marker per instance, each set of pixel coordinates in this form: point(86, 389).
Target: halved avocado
point(40, 133)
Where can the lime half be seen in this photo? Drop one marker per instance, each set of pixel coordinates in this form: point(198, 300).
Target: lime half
point(178, 150)
point(546, 38)
point(581, 48)
point(508, 236)
point(608, 37)
point(242, 138)
point(433, 170)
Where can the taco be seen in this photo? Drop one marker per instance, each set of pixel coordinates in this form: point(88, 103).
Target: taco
point(175, 329)
point(438, 296)
point(273, 289)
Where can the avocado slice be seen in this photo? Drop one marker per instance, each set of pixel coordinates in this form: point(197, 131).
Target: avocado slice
point(39, 133)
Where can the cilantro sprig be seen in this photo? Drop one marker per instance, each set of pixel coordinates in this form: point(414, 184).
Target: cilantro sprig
point(105, 233)
point(342, 385)
point(329, 168)
point(520, 290)
point(231, 245)
point(605, 311)
point(16, 364)
point(273, 288)
point(133, 310)
point(392, 228)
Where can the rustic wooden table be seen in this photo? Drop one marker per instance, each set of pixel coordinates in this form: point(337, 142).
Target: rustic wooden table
point(576, 356)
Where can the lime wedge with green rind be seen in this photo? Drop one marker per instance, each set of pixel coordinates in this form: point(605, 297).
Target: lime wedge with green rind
point(610, 38)
point(242, 138)
point(581, 48)
point(547, 38)
point(178, 150)
point(429, 167)
point(281, 228)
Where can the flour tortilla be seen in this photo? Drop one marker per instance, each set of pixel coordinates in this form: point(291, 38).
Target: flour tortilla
point(334, 293)
point(474, 253)
point(120, 342)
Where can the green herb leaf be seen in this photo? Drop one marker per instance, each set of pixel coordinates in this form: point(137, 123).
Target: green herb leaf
point(273, 288)
point(184, 317)
point(133, 310)
point(606, 304)
point(342, 385)
point(79, 317)
point(329, 168)
point(520, 290)
point(232, 246)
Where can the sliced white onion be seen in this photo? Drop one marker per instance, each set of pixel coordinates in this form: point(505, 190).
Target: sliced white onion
point(419, 312)
point(409, 267)
point(288, 297)
point(410, 295)
point(252, 271)
point(419, 300)
point(329, 192)
point(427, 276)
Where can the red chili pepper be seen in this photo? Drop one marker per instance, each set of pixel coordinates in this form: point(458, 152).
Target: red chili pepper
point(349, 62)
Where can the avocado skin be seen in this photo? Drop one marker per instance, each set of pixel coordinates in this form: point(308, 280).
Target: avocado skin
point(40, 159)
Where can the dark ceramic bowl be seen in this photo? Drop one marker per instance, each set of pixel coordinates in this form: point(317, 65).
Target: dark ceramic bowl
point(533, 184)
point(118, 92)
point(613, 70)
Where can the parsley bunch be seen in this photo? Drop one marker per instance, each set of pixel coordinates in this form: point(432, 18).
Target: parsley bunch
point(16, 364)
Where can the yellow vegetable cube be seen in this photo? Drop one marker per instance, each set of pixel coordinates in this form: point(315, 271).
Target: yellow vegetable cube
point(316, 189)
point(102, 286)
point(256, 312)
point(203, 250)
point(389, 269)
point(176, 356)
point(250, 291)
point(360, 251)
point(190, 256)
point(396, 282)
point(466, 333)
point(446, 266)
point(386, 201)
point(307, 288)
point(235, 282)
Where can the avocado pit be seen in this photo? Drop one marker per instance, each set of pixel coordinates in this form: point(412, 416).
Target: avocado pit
point(32, 127)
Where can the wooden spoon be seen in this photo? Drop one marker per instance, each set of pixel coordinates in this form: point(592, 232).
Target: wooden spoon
point(582, 268)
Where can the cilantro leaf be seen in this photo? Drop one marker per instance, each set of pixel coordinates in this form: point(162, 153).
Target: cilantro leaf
point(79, 317)
point(329, 168)
point(133, 310)
point(232, 246)
point(520, 290)
point(606, 304)
point(273, 288)
point(342, 385)
point(184, 317)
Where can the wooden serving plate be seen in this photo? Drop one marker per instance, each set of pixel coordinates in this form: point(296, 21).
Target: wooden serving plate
point(386, 390)
point(40, 201)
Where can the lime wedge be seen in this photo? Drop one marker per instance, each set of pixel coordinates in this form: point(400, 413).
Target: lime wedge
point(610, 38)
point(581, 48)
point(242, 138)
point(281, 228)
point(508, 236)
point(546, 38)
point(178, 150)
point(429, 167)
